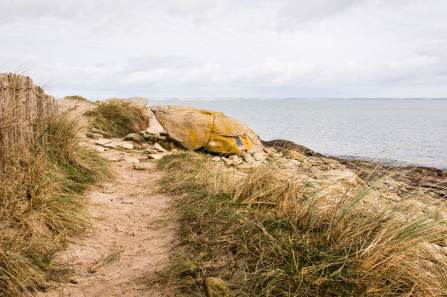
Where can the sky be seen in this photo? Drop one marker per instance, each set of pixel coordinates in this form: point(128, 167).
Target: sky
point(228, 48)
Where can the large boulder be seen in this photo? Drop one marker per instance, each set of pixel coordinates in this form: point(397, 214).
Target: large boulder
point(189, 127)
point(209, 130)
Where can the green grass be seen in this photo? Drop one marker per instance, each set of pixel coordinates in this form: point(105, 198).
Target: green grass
point(270, 236)
point(41, 202)
point(119, 117)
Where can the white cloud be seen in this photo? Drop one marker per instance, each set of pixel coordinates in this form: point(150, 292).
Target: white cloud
point(217, 48)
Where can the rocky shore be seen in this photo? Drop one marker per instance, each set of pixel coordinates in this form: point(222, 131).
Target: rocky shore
point(235, 145)
point(414, 177)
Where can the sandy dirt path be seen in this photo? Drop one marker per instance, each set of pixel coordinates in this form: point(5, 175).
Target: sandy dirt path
point(132, 229)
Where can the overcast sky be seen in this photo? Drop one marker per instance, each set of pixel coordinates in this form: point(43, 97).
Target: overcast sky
point(228, 48)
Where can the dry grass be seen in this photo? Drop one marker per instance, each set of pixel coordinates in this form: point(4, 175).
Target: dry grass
point(77, 98)
point(119, 117)
point(41, 202)
point(270, 236)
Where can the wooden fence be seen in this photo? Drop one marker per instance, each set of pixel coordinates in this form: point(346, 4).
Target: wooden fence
point(24, 111)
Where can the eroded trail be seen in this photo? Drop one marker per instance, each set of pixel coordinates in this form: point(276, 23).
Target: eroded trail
point(131, 237)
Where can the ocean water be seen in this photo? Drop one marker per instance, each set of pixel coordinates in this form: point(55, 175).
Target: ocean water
point(411, 131)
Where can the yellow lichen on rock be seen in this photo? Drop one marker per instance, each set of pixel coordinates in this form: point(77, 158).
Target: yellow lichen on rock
point(189, 127)
point(213, 131)
point(227, 136)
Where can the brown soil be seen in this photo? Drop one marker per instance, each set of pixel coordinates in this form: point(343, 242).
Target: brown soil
point(132, 236)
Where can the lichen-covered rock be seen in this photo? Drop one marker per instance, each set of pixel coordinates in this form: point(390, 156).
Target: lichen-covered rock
point(189, 127)
point(227, 136)
point(212, 131)
point(215, 287)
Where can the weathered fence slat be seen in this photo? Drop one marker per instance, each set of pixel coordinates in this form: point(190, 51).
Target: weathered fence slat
point(25, 110)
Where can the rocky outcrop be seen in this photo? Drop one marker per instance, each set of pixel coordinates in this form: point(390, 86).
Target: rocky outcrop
point(202, 129)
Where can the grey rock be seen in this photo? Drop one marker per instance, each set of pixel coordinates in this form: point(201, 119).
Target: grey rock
point(143, 166)
point(135, 137)
point(94, 136)
point(158, 148)
point(259, 156)
point(126, 145)
point(156, 156)
point(102, 141)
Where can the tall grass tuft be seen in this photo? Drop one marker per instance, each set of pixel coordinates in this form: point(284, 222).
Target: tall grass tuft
point(41, 202)
point(267, 235)
point(119, 117)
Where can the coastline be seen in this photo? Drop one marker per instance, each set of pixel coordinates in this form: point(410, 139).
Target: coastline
point(413, 176)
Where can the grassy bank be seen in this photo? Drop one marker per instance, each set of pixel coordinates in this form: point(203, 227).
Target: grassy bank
point(119, 117)
point(270, 235)
point(41, 202)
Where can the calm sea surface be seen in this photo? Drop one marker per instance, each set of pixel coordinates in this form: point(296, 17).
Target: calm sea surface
point(398, 130)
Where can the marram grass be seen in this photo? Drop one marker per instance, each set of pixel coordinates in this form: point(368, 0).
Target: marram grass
point(41, 202)
point(268, 236)
point(119, 117)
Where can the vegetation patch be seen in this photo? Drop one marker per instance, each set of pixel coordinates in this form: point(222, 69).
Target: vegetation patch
point(76, 97)
point(119, 117)
point(266, 235)
point(41, 202)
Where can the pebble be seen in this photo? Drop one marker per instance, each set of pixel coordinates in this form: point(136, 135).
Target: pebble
point(126, 145)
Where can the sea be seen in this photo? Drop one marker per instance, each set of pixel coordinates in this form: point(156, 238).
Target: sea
point(391, 131)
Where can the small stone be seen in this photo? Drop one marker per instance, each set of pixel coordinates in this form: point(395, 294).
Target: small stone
point(102, 141)
point(247, 158)
point(143, 166)
point(155, 156)
point(245, 166)
point(135, 137)
point(126, 145)
point(97, 131)
point(229, 162)
point(234, 158)
point(259, 156)
point(216, 159)
point(100, 149)
point(151, 151)
point(159, 148)
point(110, 145)
point(94, 135)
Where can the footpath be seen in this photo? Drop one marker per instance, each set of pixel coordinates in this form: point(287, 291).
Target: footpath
point(132, 230)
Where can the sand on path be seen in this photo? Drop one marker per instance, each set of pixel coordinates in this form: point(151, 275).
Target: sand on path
point(132, 228)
